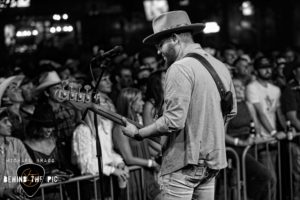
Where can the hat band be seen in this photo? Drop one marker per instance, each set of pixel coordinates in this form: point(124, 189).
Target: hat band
point(176, 26)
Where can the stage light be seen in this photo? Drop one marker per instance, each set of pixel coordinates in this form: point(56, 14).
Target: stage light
point(35, 32)
point(247, 8)
point(52, 30)
point(65, 16)
point(58, 29)
point(211, 27)
point(56, 17)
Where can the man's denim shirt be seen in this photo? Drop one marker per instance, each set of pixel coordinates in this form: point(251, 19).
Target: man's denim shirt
point(192, 119)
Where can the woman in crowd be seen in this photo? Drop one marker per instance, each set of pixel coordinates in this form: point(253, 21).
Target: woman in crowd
point(84, 144)
point(40, 143)
point(153, 107)
point(130, 105)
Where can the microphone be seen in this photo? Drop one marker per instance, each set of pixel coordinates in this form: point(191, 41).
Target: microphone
point(113, 52)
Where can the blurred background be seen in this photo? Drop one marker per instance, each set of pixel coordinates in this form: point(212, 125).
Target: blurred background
point(71, 28)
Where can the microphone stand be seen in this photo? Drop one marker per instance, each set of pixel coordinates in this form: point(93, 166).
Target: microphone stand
point(98, 144)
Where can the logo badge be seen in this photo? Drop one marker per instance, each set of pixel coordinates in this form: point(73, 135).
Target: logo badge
point(33, 174)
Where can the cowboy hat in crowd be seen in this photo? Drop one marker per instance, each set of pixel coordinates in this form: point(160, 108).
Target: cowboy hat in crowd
point(4, 83)
point(48, 79)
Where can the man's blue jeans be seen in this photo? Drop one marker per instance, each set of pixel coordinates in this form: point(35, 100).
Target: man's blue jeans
point(189, 183)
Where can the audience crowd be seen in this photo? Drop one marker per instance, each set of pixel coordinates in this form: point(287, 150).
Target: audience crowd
point(37, 125)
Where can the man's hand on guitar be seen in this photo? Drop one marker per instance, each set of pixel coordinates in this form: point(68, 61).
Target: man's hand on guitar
point(129, 129)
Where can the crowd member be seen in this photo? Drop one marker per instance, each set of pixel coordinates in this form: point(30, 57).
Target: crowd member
point(194, 151)
point(238, 136)
point(41, 141)
point(66, 116)
point(229, 56)
point(241, 70)
point(12, 155)
point(142, 74)
point(291, 59)
point(291, 108)
point(265, 98)
point(42, 147)
point(11, 96)
point(148, 58)
point(154, 106)
point(130, 105)
point(84, 153)
point(123, 79)
point(279, 78)
point(84, 141)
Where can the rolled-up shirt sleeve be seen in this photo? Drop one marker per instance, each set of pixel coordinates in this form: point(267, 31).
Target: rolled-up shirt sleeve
point(178, 89)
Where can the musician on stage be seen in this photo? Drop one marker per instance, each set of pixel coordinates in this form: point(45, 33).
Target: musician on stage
point(192, 120)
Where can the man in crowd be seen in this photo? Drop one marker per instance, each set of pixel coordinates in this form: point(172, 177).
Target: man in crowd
point(65, 114)
point(148, 58)
point(123, 79)
point(12, 155)
point(265, 98)
point(194, 150)
point(291, 108)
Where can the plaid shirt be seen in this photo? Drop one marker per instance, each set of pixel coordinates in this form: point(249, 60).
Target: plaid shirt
point(66, 120)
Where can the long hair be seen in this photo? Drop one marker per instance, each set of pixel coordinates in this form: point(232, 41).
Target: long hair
point(125, 100)
point(155, 90)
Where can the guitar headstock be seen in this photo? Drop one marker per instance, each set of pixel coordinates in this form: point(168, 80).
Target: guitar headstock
point(73, 93)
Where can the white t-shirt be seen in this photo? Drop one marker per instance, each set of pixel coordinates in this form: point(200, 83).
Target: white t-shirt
point(268, 97)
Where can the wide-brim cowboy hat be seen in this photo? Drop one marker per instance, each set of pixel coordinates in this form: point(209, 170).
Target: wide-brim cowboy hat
point(48, 79)
point(6, 82)
point(172, 22)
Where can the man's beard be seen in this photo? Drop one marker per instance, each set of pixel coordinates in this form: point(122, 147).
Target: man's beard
point(265, 77)
point(170, 57)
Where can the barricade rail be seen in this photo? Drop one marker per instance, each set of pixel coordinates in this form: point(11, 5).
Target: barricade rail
point(94, 178)
point(267, 142)
point(241, 186)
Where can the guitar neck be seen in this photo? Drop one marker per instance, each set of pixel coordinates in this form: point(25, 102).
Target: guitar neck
point(113, 116)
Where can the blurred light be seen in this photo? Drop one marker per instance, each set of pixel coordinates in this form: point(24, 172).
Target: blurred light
point(19, 34)
point(25, 33)
point(35, 32)
point(247, 8)
point(56, 17)
point(184, 2)
point(58, 29)
point(211, 27)
point(18, 4)
point(65, 16)
point(68, 28)
point(154, 8)
point(52, 30)
point(245, 24)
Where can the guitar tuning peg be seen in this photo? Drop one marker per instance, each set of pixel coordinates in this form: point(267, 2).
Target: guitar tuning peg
point(79, 86)
point(87, 88)
point(73, 94)
point(64, 83)
point(88, 95)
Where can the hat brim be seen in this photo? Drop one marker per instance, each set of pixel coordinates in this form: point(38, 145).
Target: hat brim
point(46, 85)
point(156, 37)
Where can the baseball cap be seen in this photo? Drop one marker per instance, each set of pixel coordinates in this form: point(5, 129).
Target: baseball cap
point(261, 63)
